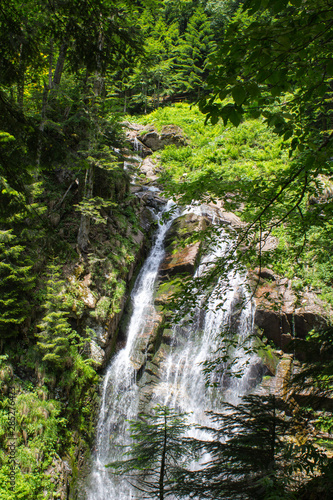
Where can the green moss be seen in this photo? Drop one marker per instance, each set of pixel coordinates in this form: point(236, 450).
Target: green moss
point(266, 354)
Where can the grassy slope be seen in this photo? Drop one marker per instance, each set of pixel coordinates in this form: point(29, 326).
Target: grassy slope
point(216, 161)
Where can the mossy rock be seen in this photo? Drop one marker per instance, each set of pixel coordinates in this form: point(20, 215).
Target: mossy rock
point(267, 356)
point(165, 291)
point(182, 228)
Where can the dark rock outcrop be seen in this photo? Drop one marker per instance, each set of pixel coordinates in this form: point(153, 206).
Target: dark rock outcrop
point(282, 314)
point(182, 262)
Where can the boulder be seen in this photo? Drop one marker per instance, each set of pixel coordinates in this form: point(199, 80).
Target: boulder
point(151, 140)
point(281, 313)
point(97, 354)
point(170, 134)
point(148, 167)
point(133, 131)
point(182, 227)
point(182, 262)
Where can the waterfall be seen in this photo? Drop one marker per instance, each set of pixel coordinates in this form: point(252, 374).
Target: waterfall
point(181, 377)
point(120, 392)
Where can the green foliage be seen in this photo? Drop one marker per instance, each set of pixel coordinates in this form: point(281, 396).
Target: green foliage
point(55, 334)
point(175, 50)
point(92, 208)
point(316, 373)
point(254, 454)
point(156, 453)
point(16, 282)
point(275, 60)
point(38, 426)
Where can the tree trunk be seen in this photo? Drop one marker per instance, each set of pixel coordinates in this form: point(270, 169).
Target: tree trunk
point(83, 234)
point(20, 81)
point(52, 83)
point(125, 101)
point(158, 93)
point(41, 128)
point(51, 65)
point(60, 64)
point(162, 468)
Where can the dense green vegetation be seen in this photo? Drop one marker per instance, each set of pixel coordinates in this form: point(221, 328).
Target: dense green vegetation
point(69, 72)
point(222, 160)
point(63, 193)
point(248, 455)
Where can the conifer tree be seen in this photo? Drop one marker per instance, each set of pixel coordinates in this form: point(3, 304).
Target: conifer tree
point(254, 454)
point(157, 452)
point(55, 334)
point(16, 281)
point(193, 51)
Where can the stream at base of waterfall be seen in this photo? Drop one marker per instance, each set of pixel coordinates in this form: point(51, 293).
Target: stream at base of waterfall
point(181, 376)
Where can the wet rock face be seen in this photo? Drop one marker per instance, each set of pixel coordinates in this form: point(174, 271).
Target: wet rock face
point(180, 259)
point(148, 341)
point(182, 262)
point(96, 354)
point(280, 313)
point(182, 227)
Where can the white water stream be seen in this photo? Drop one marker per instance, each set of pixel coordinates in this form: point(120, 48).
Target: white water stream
point(120, 396)
point(182, 382)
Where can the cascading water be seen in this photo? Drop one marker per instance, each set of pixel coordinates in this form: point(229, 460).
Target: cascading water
point(183, 382)
point(120, 391)
point(181, 377)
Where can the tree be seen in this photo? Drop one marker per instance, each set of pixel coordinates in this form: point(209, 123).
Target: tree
point(193, 51)
point(275, 60)
point(55, 334)
point(158, 449)
point(16, 282)
point(253, 454)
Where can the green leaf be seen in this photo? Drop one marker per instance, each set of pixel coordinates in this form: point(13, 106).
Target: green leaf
point(235, 117)
point(329, 68)
point(214, 119)
point(238, 94)
point(287, 135)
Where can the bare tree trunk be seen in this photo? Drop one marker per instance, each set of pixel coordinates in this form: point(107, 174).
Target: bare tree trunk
point(125, 101)
point(60, 64)
point(20, 81)
point(158, 93)
point(163, 457)
point(41, 128)
point(83, 234)
point(51, 65)
point(52, 83)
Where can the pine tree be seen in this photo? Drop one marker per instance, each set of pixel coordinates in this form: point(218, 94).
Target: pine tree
point(16, 282)
point(157, 452)
point(193, 51)
point(254, 454)
point(55, 334)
